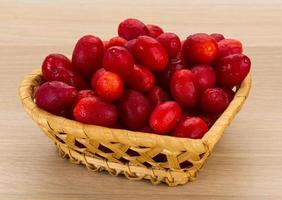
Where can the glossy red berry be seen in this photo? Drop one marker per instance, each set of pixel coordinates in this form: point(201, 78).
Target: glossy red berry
point(163, 77)
point(214, 101)
point(57, 60)
point(229, 46)
point(83, 94)
point(129, 45)
point(217, 36)
point(183, 88)
point(171, 43)
point(92, 110)
point(140, 79)
point(132, 28)
point(55, 97)
point(232, 70)
point(200, 48)
point(134, 110)
point(97, 75)
point(205, 76)
point(108, 86)
point(118, 60)
point(193, 127)
point(157, 96)
point(57, 67)
point(117, 41)
point(87, 55)
point(150, 53)
point(154, 30)
point(165, 117)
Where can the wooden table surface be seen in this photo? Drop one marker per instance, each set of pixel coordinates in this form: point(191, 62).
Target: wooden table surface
point(247, 162)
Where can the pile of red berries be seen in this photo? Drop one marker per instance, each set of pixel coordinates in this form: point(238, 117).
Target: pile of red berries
point(145, 79)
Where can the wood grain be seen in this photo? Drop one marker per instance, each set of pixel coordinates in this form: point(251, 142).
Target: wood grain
point(247, 162)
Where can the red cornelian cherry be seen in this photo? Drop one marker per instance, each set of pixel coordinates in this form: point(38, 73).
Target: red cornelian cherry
point(87, 55)
point(57, 67)
point(232, 70)
point(229, 46)
point(200, 48)
point(57, 60)
point(157, 96)
point(165, 117)
point(183, 88)
point(205, 76)
point(163, 77)
point(108, 86)
point(171, 43)
point(154, 30)
point(118, 60)
point(132, 28)
point(193, 127)
point(150, 53)
point(134, 110)
point(117, 41)
point(55, 97)
point(217, 36)
point(214, 101)
point(92, 110)
point(83, 94)
point(140, 79)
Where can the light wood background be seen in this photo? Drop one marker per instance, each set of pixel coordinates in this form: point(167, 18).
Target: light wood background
point(247, 162)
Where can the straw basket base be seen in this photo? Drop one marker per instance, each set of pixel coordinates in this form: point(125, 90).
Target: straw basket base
point(156, 176)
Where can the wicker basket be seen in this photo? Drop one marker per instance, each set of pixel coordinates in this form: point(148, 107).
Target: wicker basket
point(137, 155)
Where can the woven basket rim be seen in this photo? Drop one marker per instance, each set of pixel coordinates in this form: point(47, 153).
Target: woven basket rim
point(209, 139)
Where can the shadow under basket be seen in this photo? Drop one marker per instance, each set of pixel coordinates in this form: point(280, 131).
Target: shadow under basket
point(137, 155)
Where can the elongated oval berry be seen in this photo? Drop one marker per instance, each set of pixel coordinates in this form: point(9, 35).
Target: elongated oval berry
point(171, 43)
point(200, 48)
point(157, 96)
point(55, 97)
point(217, 36)
point(87, 55)
point(108, 86)
point(117, 41)
point(140, 79)
point(57, 67)
point(163, 77)
point(183, 88)
point(92, 110)
point(232, 70)
point(192, 127)
point(154, 30)
point(205, 76)
point(229, 46)
point(150, 53)
point(134, 110)
point(118, 60)
point(214, 101)
point(132, 28)
point(165, 117)
point(57, 60)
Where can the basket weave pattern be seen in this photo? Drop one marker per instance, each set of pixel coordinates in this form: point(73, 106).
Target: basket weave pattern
point(137, 155)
